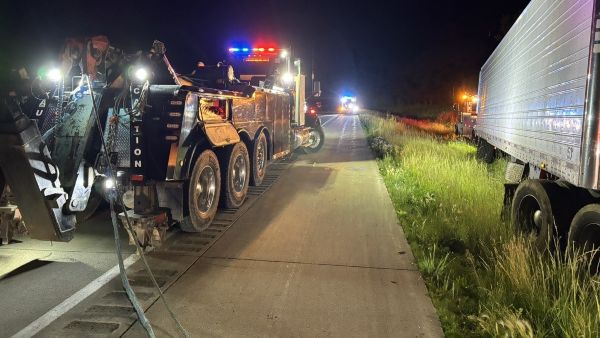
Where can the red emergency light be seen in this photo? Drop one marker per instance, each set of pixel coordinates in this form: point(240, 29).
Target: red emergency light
point(254, 50)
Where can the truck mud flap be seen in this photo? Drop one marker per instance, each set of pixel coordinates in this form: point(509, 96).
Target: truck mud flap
point(33, 177)
point(221, 134)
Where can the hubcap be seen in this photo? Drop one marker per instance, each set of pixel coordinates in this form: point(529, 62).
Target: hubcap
point(206, 187)
point(239, 173)
point(531, 215)
point(315, 138)
point(537, 218)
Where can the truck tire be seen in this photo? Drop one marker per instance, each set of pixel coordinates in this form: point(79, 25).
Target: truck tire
point(584, 234)
point(317, 139)
point(485, 151)
point(532, 212)
point(236, 175)
point(203, 188)
point(259, 160)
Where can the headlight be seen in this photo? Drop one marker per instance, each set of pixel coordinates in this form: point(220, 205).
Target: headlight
point(54, 75)
point(109, 183)
point(141, 74)
point(287, 78)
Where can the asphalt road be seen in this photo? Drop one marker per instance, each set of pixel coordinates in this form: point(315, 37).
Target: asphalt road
point(318, 254)
point(47, 273)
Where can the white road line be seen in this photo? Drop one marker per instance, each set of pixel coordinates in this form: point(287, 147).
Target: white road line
point(39, 324)
point(331, 119)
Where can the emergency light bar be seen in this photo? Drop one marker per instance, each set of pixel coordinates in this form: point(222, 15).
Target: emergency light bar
point(254, 49)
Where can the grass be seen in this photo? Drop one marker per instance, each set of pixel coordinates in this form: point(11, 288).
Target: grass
point(484, 279)
point(431, 127)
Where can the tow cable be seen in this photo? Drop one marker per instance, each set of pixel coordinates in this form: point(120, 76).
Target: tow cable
point(115, 197)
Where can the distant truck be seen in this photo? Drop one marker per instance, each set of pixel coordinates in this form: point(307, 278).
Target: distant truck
point(539, 102)
point(466, 120)
point(348, 105)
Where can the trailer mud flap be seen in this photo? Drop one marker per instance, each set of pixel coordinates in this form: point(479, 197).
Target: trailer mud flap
point(509, 193)
point(33, 178)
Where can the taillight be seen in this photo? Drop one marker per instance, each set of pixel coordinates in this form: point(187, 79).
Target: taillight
point(137, 178)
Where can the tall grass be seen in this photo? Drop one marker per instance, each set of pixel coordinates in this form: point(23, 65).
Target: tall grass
point(435, 128)
point(485, 280)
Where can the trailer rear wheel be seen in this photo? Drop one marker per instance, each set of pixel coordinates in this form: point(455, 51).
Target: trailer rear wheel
point(317, 139)
point(584, 234)
point(259, 160)
point(204, 188)
point(485, 151)
point(532, 212)
point(236, 175)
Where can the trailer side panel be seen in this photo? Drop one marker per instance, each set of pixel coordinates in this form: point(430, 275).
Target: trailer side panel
point(533, 87)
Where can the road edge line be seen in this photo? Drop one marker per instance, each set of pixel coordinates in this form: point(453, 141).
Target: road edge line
point(46, 319)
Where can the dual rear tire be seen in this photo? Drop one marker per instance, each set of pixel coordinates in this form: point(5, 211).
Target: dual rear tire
point(553, 212)
point(203, 192)
point(222, 179)
point(584, 235)
point(260, 152)
point(235, 162)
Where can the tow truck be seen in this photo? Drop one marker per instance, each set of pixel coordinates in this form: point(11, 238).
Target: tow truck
point(173, 147)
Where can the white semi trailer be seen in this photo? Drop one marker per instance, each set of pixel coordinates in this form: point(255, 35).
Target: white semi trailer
point(539, 103)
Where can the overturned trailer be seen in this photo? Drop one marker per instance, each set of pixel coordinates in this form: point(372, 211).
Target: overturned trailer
point(173, 147)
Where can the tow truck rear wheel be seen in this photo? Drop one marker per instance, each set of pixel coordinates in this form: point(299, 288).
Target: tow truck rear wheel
point(204, 188)
point(259, 160)
point(316, 140)
point(236, 175)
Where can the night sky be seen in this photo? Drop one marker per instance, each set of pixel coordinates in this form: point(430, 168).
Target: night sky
point(390, 53)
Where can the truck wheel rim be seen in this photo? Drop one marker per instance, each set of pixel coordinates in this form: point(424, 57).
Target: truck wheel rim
point(315, 139)
point(531, 215)
point(206, 188)
point(260, 157)
point(239, 173)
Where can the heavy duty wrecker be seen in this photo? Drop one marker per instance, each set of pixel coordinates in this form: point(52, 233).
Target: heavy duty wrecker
point(171, 147)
